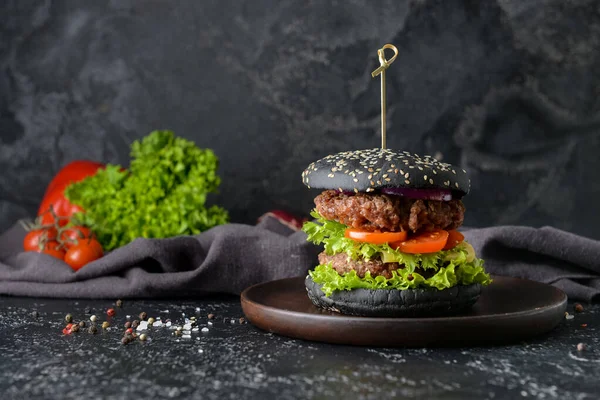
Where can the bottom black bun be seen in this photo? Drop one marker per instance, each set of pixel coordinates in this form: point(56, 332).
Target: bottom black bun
point(395, 303)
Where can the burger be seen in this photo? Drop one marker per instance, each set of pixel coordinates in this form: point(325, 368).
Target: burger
point(388, 223)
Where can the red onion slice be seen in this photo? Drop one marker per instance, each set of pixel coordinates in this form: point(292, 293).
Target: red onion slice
point(424, 194)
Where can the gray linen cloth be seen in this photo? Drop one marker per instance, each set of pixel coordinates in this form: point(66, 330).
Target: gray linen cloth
point(229, 258)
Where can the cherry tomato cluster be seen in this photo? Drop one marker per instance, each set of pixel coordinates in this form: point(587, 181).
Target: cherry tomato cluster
point(73, 244)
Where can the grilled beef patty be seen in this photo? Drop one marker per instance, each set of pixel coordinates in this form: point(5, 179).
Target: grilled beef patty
point(381, 212)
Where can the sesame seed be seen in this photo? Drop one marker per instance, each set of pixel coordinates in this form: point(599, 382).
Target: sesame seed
point(355, 180)
point(431, 181)
point(456, 184)
point(385, 175)
point(425, 178)
point(387, 179)
point(406, 181)
point(331, 175)
point(370, 176)
point(355, 190)
point(447, 183)
point(406, 175)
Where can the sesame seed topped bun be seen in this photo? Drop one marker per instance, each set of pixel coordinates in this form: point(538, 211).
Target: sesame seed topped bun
point(373, 169)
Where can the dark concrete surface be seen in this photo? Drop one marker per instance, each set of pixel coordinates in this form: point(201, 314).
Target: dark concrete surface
point(238, 361)
point(508, 89)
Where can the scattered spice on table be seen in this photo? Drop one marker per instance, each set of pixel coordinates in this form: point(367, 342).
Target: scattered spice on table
point(111, 312)
point(93, 318)
point(105, 324)
point(68, 318)
point(81, 324)
point(93, 330)
point(578, 308)
point(581, 347)
point(242, 320)
point(211, 316)
point(135, 323)
point(75, 328)
point(119, 303)
point(127, 325)
point(34, 314)
point(584, 325)
point(143, 316)
point(143, 337)
point(150, 321)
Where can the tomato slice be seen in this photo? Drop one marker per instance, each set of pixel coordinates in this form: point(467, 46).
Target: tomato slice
point(428, 242)
point(454, 238)
point(375, 237)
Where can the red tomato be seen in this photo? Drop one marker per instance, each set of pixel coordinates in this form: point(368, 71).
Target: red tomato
point(33, 238)
point(73, 235)
point(374, 237)
point(454, 238)
point(53, 248)
point(54, 195)
point(84, 252)
point(428, 242)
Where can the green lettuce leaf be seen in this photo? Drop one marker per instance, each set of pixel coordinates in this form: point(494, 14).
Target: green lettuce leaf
point(456, 266)
point(445, 277)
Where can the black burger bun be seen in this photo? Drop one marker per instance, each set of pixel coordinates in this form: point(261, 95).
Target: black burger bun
point(422, 302)
point(373, 169)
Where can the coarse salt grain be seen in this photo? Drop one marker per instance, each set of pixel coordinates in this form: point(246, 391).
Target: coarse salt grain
point(210, 323)
point(157, 324)
point(187, 327)
point(142, 326)
point(168, 324)
point(195, 329)
point(197, 309)
point(186, 336)
point(204, 329)
point(200, 351)
point(232, 321)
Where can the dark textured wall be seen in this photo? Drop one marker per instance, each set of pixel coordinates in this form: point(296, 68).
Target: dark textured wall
point(508, 89)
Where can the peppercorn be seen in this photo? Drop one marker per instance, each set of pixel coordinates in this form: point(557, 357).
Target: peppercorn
point(143, 337)
point(75, 328)
point(93, 318)
point(119, 303)
point(177, 332)
point(125, 340)
point(211, 316)
point(105, 324)
point(581, 347)
point(179, 328)
point(81, 324)
point(143, 316)
point(135, 324)
point(242, 320)
point(93, 330)
point(110, 312)
point(68, 318)
point(150, 321)
point(578, 308)
point(127, 324)
point(129, 330)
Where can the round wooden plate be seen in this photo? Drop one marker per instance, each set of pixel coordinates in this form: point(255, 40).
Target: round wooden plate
point(508, 310)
